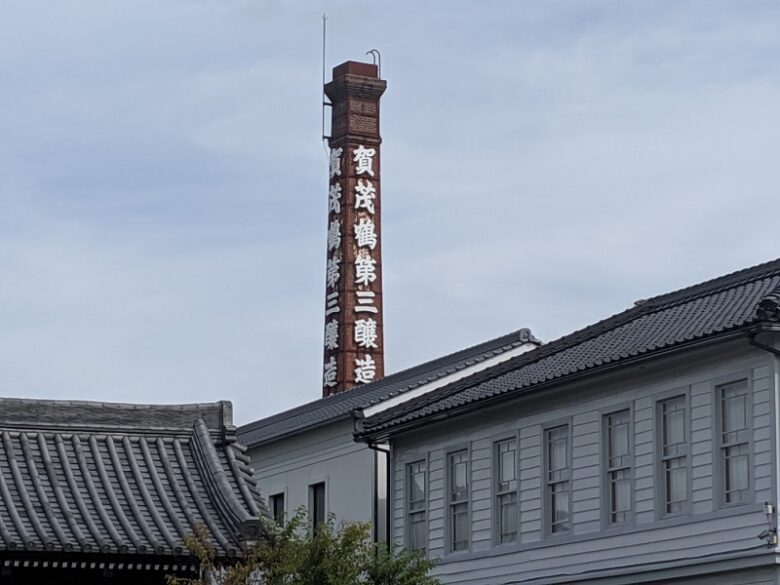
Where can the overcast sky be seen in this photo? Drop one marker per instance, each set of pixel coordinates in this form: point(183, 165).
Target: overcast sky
point(545, 164)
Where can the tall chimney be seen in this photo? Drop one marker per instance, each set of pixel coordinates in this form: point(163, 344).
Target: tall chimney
point(354, 347)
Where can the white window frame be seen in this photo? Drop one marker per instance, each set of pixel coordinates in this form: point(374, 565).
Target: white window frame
point(453, 502)
point(610, 470)
point(677, 452)
point(501, 492)
point(726, 441)
point(552, 479)
point(420, 511)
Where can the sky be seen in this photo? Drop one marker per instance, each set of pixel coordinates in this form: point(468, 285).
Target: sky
point(544, 164)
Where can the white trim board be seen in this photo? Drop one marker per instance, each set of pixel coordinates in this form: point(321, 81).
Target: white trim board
point(446, 380)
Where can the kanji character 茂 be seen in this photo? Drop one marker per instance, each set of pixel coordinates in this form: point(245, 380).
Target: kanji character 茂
point(364, 233)
point(365, 270)
point(365, 370)
point(364, 157)
point(334, 198)
point(365, 193)
point(365, 333)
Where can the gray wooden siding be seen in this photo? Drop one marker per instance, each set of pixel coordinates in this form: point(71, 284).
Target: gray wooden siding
point(708, 529)
point(327, 454)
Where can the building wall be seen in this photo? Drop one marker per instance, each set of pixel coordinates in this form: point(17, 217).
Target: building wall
point(708, 532)
point(326, 454)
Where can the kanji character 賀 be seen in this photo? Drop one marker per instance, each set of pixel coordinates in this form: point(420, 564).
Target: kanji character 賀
point(335, 162)
point(364, 157)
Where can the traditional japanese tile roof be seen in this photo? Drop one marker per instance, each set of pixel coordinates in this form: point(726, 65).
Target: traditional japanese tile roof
point(89, 477)
point(716, 307)
point(340, 406)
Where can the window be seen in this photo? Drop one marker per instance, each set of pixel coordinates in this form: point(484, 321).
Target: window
point(506, 490)
point(277, 508)
point(618, 448)
point(317, 504)
point(558, 475)
point(458, 501)
point(672, 427)
point(418, 534)
point(734, 441)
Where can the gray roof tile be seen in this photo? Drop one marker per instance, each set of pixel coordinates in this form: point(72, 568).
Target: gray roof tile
point(717, 306)
point(340, 406)
point(122, 479)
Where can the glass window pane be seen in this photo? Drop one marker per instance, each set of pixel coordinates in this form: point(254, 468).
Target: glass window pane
point(318, 504)
point(458, 476)
point(417, 533)
point(559, 506)
point(677, 480)
point(619, 440)
point(417, 483)
point(507, 517)
point(737, 477)
point(735, 413)
point(674, 422)
point(507, 466)
point(460, 532)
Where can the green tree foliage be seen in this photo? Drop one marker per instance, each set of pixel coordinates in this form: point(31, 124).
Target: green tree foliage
point(293, 555)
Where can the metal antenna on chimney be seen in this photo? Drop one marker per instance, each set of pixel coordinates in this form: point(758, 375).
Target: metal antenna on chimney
point(325, 102)
point(376, 57)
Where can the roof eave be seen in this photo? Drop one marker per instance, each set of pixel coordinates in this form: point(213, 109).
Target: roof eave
point(384, 434)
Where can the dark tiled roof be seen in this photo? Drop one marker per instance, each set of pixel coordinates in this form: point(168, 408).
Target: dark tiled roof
point(708, 309)
point(339, 406)
point(88, 477)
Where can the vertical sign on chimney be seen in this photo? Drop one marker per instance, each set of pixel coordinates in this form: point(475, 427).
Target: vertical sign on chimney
point(354, 347)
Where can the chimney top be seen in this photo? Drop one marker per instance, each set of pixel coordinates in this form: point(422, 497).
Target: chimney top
point(356, 68)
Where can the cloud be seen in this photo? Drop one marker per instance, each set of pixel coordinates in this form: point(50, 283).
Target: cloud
point(544, 164)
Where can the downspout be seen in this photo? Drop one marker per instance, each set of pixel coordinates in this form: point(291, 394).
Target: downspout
point(383, 449)
point(379, 449)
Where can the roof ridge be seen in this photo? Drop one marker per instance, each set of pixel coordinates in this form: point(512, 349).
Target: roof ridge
point(706, 288)
point(714, 285)
point(522, 335)
point(112, 417)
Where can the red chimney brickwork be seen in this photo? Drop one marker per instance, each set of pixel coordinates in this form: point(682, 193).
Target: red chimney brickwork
point(354, 346)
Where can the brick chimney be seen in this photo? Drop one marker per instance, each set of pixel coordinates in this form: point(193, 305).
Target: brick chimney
point(354, 346)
